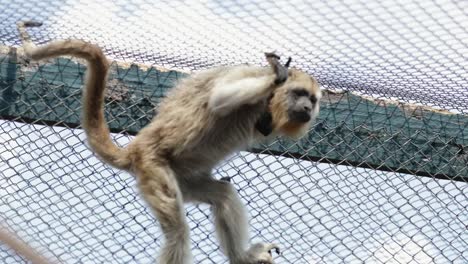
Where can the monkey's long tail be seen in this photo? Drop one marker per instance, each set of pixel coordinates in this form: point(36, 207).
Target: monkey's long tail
point(94, 123)
point(25, 250)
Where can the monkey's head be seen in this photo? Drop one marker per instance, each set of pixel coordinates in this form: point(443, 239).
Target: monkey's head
point(295, 104)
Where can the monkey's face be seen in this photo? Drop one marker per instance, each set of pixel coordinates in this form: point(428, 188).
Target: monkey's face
point(301, 105)
point(295, 105)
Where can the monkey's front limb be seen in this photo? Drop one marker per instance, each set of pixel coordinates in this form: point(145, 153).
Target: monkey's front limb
point(240, 88)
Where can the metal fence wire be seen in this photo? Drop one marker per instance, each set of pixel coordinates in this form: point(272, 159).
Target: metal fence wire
point(381, 177)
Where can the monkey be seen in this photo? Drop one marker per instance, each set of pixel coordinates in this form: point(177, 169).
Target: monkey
point(203, 119)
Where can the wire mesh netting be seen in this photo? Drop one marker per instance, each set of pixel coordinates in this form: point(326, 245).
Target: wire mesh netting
point(381, 177)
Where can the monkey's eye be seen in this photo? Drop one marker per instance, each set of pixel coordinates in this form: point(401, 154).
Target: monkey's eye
point(300, 92)
point(313, 99)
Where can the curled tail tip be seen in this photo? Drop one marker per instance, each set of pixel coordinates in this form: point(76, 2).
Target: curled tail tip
point(28, 45)
point(29, 23)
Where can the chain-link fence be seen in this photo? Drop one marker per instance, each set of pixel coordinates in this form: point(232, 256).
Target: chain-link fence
point(381, 177)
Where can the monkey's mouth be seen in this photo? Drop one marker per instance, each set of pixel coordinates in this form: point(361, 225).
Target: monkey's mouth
point(299, 116)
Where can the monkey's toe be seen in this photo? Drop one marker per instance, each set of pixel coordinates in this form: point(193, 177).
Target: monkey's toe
point(260, 253)
point(276, 248)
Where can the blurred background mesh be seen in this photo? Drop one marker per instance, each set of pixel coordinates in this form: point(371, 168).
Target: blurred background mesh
point(56, 195)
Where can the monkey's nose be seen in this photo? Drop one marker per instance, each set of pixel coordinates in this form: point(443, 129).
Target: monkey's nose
point(307, 108)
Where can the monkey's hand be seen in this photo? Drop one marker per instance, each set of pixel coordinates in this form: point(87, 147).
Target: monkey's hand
point(281, 71)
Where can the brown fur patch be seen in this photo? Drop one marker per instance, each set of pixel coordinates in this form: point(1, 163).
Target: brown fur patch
point(293, 129)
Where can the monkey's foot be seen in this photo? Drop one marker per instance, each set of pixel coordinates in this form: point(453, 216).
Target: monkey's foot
point(260, 253)
point(281, 71)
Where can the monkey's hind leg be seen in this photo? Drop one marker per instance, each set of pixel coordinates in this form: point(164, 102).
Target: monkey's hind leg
point(231, 221)
point(161, 192)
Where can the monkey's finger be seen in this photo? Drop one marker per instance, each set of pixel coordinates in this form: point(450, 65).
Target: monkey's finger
point(288, 62)
point(273, 61)
point(272, 55)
